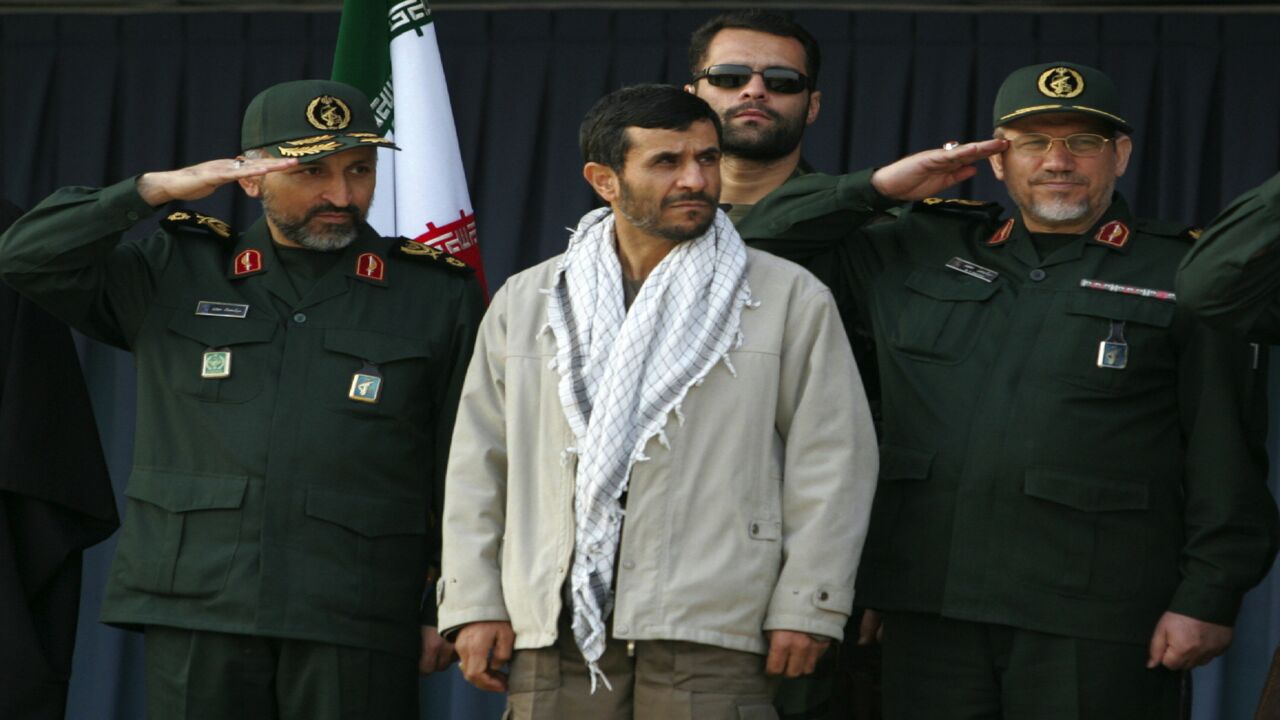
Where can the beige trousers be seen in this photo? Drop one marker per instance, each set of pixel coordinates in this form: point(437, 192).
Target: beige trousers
point(652, 680)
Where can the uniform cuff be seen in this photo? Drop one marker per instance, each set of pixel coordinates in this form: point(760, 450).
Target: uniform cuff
point(856, 192)
point(1206, 602)
point(124, 203)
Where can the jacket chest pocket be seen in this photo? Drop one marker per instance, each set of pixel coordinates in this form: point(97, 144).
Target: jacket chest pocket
point(1112, 342)
point(376, 374)
point(219, 359)
point(942, 316)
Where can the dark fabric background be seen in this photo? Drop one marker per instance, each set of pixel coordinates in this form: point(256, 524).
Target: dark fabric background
point(88, 100)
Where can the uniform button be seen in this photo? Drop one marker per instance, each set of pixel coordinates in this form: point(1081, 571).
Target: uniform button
point(131, 215)
point(823, 595)
point(628, 565)
point(1038, 274)
point(622, 628)
point(755, 529)
point(299, 318)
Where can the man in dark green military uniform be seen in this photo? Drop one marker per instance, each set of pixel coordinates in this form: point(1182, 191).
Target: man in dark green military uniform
point(296, 391)
point(1231, 277)
point(1072, 499)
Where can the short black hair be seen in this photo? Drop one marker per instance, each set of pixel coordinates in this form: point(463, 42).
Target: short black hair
point(603, 135)
point(763, 21)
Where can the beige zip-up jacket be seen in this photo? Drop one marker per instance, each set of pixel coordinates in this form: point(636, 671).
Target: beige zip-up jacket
point(752, 520)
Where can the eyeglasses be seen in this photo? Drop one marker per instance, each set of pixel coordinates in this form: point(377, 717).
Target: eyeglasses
point(776, 79)
point(1079, 144)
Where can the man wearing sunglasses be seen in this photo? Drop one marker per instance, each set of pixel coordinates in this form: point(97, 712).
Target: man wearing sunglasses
point(1072, 496)
point(758, 70)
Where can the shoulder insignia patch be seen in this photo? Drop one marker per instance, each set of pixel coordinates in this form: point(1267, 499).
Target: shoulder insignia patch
point(419, 251)
point(192, 221)
point(992, 210)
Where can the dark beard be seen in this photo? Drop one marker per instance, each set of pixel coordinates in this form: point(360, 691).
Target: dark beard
point(328, 240)
point(775, 142)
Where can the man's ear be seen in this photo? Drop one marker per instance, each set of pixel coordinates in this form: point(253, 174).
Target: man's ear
point(1124, 148)
point(815, 104)
point(252, 186)
point(997, 166)
point(602, 179)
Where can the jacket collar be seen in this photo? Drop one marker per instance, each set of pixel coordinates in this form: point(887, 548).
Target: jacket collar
point(364, 260)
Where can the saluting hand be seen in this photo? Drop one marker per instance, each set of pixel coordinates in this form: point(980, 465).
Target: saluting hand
point(1181, 642)
point(928, 173)
point(197, 181)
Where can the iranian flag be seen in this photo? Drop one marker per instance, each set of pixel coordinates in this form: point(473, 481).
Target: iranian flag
point(388, 49)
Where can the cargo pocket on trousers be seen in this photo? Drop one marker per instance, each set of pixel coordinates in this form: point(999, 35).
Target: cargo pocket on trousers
point(181, 531)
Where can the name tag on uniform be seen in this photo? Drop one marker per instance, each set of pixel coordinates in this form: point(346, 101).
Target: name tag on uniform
point(972, 269)
point(210, 308)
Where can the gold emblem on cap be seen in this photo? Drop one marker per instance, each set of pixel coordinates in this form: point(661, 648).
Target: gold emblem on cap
point(328, 113)
point(293, 152)
point(1061, 82)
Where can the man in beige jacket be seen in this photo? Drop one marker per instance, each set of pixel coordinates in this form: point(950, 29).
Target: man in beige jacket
point(653, 497)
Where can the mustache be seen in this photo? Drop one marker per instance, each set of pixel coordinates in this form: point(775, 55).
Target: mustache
point(1058, 177)
point(687, 197)
point(751, 105)
point(350, 211)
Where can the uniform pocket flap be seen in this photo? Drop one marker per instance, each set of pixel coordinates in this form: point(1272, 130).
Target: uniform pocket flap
point(1091, 493)
point(220, 331)
point(375, 346)
point(904, 463)
point(765, 530)
point(950, 285)
point(1110, 306)
point(178, 491)
point(369, 516)
point(833, 599)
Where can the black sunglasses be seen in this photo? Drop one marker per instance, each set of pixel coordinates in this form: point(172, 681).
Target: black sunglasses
point(776, 79)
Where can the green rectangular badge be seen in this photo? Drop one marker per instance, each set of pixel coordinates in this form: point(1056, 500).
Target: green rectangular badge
point(216, 365)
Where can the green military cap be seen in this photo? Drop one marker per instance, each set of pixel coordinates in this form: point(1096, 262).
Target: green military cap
point(309, 119)
point(1058, 87)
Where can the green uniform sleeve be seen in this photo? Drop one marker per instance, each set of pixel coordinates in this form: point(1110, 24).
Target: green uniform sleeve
point(462, 341)
point(1229, 517)
point(1231, 277)
point(67, 256)
point(812, 212)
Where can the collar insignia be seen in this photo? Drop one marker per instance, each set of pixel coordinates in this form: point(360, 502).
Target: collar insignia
point(1114, 233)
point(248, 262)
point(1002, 234)
point(372, 267)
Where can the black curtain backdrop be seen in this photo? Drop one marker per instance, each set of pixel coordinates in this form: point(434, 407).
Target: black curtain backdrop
point(91, 99)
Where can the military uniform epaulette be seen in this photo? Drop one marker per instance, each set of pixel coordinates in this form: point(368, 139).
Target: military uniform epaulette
point(199, 223)
point(1167, 228)
point(418, 251)
point(992, 210)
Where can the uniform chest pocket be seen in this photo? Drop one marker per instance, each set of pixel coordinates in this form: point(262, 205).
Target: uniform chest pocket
point(374, 373)
point(942, 317)
point(1139, 350)
point(219, 359)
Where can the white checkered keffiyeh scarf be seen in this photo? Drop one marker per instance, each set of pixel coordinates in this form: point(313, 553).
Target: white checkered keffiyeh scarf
point(622, 372)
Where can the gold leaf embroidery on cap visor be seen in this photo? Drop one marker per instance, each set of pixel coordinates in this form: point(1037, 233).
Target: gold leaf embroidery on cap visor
point(310, 140)
point(293, 152)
